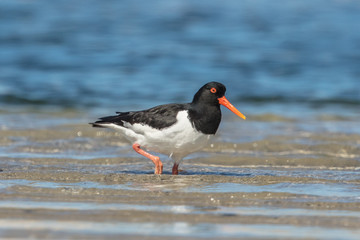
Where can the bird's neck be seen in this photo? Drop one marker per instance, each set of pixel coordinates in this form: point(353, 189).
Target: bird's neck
point(204, 117)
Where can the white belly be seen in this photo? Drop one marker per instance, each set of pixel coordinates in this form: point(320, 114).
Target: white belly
point(176, 141)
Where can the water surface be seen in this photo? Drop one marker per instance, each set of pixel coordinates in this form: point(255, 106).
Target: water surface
point(291, 170)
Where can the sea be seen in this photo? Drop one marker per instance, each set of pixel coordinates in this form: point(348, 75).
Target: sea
point(292, 67)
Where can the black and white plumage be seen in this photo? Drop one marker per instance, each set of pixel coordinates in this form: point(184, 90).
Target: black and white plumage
point(173, 129)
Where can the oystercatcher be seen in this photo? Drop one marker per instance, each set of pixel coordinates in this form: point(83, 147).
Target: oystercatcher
point(173, 129)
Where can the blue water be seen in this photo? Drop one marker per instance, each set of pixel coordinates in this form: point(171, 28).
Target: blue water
point(273, 56)
point(64, 63)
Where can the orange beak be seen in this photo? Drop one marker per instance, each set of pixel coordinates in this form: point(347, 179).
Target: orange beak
point(223, 101)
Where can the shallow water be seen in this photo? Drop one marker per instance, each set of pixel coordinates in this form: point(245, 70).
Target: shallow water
point(182, 229)
point(66, 179)
point(291, 170)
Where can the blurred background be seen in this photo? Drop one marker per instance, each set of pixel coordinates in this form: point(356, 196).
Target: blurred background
point(291, 170)
point(291, 58)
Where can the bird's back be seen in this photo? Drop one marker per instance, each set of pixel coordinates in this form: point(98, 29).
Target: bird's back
point(158, 117)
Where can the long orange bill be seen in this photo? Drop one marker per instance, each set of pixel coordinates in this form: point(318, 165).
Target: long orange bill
point(223, 101)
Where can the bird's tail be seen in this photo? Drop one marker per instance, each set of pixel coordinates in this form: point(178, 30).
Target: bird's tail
point(97, 124)
point(118, 120)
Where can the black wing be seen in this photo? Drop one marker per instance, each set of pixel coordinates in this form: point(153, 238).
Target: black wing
point(159, 117)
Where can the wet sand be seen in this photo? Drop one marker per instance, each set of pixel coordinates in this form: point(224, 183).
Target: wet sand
point(72, 181)
point(290, 171)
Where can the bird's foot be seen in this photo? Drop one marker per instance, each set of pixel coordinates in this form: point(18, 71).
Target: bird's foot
point(154, 159)
point(158, 166)
point(175, 170)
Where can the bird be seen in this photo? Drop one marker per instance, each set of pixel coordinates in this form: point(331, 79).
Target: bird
point(175, 129)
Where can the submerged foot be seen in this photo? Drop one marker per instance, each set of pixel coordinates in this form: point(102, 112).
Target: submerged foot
point(158, 166)
point(175, 170)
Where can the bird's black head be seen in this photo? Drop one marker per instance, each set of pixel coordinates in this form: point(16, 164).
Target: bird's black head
point(210, 93)
point(213, 94)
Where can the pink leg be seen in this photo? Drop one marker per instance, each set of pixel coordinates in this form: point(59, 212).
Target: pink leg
point(175, 170)
point(155, 159)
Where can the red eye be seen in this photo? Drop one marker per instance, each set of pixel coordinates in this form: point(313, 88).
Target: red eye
point(213, 90)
